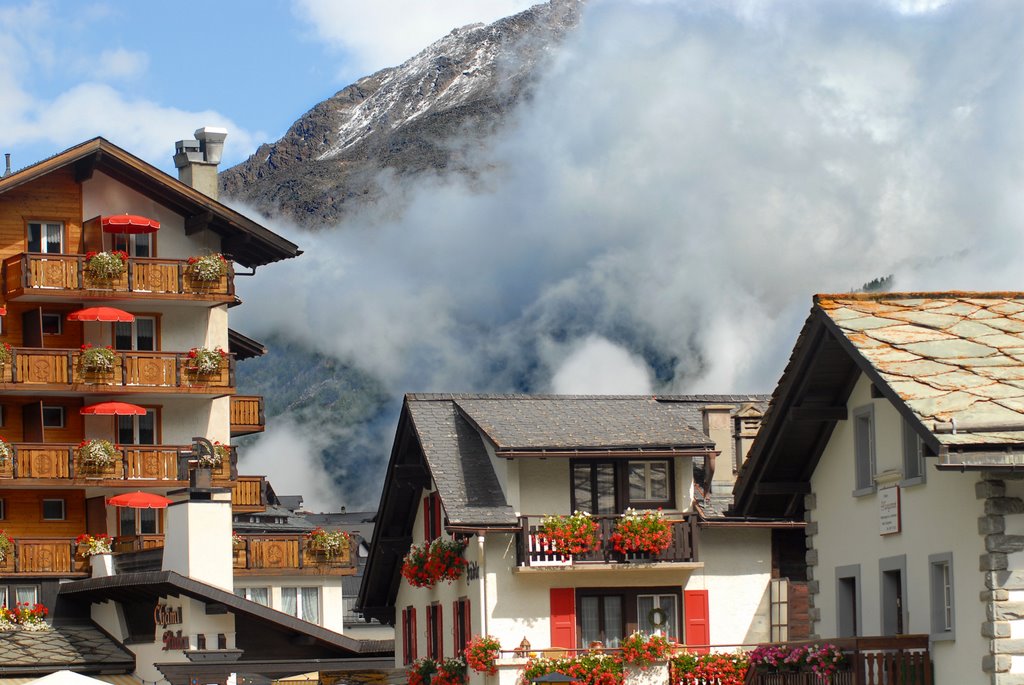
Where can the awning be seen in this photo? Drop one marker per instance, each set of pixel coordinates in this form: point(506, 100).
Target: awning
point(129, 223)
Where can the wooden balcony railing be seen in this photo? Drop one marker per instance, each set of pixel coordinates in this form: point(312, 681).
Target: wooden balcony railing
point(38, 274)
point(59, 461)
point(534, 552)
point(247, 415)
point(249, 494)
point(33, 368)
point(900, 659)
point(136, 543)
point(44, 556)
point(287, 555)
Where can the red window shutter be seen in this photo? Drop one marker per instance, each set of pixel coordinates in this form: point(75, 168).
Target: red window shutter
point(439, 647)
point(414, 652)
point(427, 510)
point(467, 626)
point(456, 625)
point(563, 617)
point(695, 610)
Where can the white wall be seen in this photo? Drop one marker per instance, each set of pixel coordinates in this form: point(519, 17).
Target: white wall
point(940, 515)
point(332, 606)
point(197, 542)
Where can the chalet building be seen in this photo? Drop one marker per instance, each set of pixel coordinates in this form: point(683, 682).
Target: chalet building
point(896, 434)
point(484, 469)
point(155, 303)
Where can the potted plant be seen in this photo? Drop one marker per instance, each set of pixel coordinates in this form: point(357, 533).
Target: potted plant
point(6, 546)
point(105, 266)
point(206, 270)
point(641, 650)
point(331, 543)
point(722, 668)
point(643, 532)
point(5, 355)
point(216, 459)
point(97, 360)
point(482, 654)
point(6, 452)
point(574, 534)
point(89, 545)
point(237, 541)
point(450, 672)
point(205, 361)
point(24, 616)
point(421, 670)
point(97, 455)
point(428, 564)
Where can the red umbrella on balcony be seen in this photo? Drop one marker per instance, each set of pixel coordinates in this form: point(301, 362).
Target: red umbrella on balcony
point(129, 223)
point(106, 314)
point(113, 409)
point(139, 500)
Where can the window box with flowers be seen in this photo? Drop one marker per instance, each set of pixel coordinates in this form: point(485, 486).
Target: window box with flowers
point(330, 544)
point(214, 460)
point(105, 267)
point(5, 361)
point(6, 455)
point(592, 668)
point(428, 564)
point(97, 363)
point(206, 271)
point(482, 654)
point(89, 545)
point(574, 534)
point(721, 668)
point(97, 457)
point(641, 534)
point(24, 616)
point(205, 361)
point(822, 660)
point(642, 650)
point(427, 671)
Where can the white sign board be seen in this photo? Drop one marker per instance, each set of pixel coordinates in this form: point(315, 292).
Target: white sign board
point(889, 510)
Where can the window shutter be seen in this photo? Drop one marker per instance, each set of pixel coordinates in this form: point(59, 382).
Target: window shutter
point(467, 625)
point(439, 616)
point(405, 636)
point(695, 611)
point(414, 652)
point(563, 617)
point(426, 518)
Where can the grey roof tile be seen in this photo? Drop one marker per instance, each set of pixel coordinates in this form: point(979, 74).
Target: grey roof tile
point(61, 647)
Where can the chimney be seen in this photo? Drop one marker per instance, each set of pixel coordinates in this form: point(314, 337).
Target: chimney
point(7, 171)
point(197, 160)
point(718, 427)
point(197, 541)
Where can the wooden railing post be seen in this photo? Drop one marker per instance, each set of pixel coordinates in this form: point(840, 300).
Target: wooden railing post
point(523, 544)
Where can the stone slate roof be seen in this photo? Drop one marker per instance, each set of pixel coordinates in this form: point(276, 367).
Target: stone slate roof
point(76, 647)
point(458, 462)
point(952, 357)
point(532, 422)
point(266, 521)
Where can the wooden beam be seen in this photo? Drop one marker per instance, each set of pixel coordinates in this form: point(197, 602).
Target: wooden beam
point(783, 488)
point(198, 222)
point(86, 166)
point(818, 413)
point(411, 474)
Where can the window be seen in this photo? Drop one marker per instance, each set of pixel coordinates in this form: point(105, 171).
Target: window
point(136, 335)
point(53, 323)
point(53, 417)
point(435, 638)
point(140, 245)
point(431, 517)
point(593, 487)
point(648, 481)
point(656, 614)
point(138, 521)
point(864, 450)
point(26, 594)
point(260, 595)
point(3, 513)
point(848, 601)
point(893, 582)
point(53, 509)
point(913, 456)
point(137, 430)
point(46, 236)
point(301, 602)
point(606, 615)
point(940, 581)
point(462, 620)
point(409, 654)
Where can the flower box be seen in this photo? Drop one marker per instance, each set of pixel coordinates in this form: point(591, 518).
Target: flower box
point(574, 534)
point(642, 532)
point(428, 564)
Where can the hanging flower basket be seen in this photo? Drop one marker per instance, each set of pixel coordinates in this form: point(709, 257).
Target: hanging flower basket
point(99, 544)
point(428, 564)
point(206, 361)
point(208, 268)
point(642, 531)
point(106, 266)
point(482, 654)
point(97, 455)
point(333, 544)
point(575, 534)
point(96, 359)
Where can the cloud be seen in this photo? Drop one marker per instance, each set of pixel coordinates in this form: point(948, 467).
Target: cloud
point(595, 366)
point(121, 64)
point(374, 35)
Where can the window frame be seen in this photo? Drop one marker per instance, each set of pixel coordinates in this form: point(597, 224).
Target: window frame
point(299, 591)
point(134, 442)
point(63, 509)
point(63, 415)
point(42, 242)
point(131, 244)
point(33, 588)
point(888, 565)
point(669, 502)
point(913, 450)
point(941, 604)
point(629, 597)
point(155, 318)
point(409, 654)
point(435, 632)
point(433, 517)
point(852, 573)
point(462, 623)
point(862, 452)
point(58, 317)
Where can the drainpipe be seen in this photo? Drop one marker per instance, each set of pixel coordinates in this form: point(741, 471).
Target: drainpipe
point(480, 540)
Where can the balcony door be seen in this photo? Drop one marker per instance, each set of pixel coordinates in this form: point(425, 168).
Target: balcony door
point(32, 328)
point(137, 430)
point(139, 335)
point(594, 487)
point(32, 422)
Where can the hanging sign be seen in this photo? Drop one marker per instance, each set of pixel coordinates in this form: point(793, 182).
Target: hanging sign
point(889, 510)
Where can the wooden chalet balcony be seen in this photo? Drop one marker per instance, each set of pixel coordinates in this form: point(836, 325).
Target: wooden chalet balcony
point(249, 494)
point(34, 276)
point(44, 557)
point(247, 415)
point(532, 552)
point(286, 555)
point(136, 543)
point(58, 462)
point(34, 369)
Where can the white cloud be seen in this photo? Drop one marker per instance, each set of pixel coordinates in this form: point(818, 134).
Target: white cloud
point(121, 64)
point(385, 33)
point(595, 366)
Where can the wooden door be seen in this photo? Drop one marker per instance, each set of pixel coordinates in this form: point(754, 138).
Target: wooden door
point(92, 235)
point(32, 328)
point(32, 421)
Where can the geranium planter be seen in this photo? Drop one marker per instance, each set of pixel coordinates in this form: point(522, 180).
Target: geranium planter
point(102, 565)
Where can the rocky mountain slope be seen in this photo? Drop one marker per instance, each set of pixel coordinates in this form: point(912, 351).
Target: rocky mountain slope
point(418, 117)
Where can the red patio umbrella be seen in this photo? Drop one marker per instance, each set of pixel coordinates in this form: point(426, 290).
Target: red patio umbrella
point(129, 223)
point(139, 500)
point(113, 409)
point(3, 311)
point(107, 314)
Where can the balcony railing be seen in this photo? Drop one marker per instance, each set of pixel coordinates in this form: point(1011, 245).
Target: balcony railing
point(31, 367)
point(38, 274)
point(534, 552)
point(59, 461)
point(136, 543)
point(249, 494)
point(44, 556)
point(287, 555)
point(871, 661)
point(247, 415)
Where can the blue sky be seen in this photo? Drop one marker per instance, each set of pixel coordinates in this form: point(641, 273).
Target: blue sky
point(145, 74)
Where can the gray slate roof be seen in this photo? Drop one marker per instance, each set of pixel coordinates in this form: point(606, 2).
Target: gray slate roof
point(78, 647)
point(528, 422)
point(267, 521)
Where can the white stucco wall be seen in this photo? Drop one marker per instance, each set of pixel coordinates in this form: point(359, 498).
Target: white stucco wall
point(332, 608)
point(195, 621)
point(938, 516)
point(197, 541)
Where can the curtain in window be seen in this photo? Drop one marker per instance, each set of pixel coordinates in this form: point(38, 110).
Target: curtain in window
point(311, 604)
point(612, 621)
point(646, 616)
point(289, 601)
point(590, 622)
point(127, 520)
point(26, 594)
point(260, 595)
point(147, 521)
point(54, 236)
